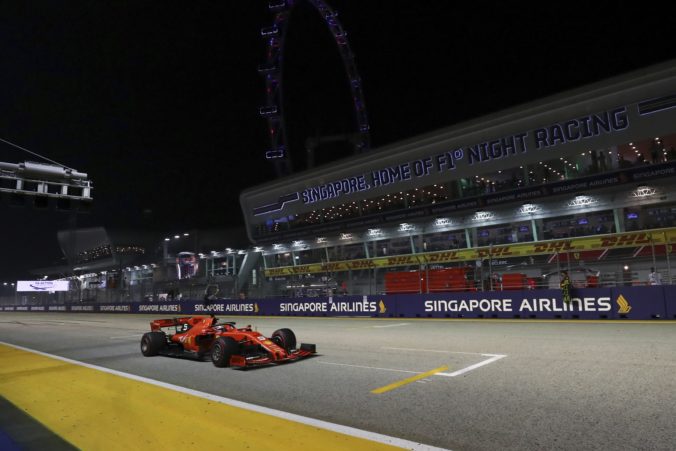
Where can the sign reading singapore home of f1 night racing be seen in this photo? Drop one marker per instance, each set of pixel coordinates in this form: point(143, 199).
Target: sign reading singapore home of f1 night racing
point(577, 129)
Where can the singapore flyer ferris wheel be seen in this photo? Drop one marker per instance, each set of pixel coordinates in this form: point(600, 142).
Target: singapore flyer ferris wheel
point(273, 111)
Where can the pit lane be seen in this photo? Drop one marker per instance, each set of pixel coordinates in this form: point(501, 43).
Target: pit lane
point(548, 384)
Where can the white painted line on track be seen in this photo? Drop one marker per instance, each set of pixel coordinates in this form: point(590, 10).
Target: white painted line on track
point(492, 359)
point(371, 367)
point(391, 325)
point(354, 432)
point(440, 351)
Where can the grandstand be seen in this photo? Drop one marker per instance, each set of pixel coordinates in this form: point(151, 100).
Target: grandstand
point(582, 181)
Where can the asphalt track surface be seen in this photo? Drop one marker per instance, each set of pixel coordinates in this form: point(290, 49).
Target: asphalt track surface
point(454, 384)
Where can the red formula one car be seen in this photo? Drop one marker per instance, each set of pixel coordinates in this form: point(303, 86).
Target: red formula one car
point(227, 345)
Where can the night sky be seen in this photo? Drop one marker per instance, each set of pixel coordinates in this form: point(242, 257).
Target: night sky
point(158, 101)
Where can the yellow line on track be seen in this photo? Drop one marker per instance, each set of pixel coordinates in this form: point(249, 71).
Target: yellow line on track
point(95, 410)
point(409, 380)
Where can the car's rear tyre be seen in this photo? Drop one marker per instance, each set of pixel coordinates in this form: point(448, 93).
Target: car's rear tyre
point(285, 338)
point(152, 343)
point(221, 351)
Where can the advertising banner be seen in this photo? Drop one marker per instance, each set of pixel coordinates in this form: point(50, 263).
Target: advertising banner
point(584, 304)
point(670, 301)
point(571, 246)
point(589, 303)
point(318, 306)
point(334, 306)
point(42, 285)
point(639, 302)
point(115, 308)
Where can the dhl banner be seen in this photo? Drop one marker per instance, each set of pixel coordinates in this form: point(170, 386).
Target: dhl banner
point(564, 246)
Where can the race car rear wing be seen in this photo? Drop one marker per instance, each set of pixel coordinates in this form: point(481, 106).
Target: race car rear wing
point(189, 321)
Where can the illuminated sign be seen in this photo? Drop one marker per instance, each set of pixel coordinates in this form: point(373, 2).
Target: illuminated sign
point(582, 201)
point(42, 285)
point(483, 216)
point(590, 126)
point(581, 128)
point(186, 265)
point(644, 191)
point(529, 209)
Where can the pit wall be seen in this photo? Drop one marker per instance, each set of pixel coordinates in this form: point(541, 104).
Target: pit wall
point(597, 303)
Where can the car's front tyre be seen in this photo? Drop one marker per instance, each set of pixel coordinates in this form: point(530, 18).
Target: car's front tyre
point(284, 338)
point(221, 351)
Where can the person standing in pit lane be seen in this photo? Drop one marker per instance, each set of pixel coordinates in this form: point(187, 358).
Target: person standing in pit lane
point(654, 277)
point(565, 286)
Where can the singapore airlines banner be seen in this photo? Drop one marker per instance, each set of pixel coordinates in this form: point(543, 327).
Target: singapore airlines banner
point(656, 302)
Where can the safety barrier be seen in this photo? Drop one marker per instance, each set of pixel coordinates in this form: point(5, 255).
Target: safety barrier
point(658, 302)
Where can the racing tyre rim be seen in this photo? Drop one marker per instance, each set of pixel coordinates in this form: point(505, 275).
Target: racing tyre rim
point(217, 352)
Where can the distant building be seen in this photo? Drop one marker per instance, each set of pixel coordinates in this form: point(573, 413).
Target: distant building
point(115, 264)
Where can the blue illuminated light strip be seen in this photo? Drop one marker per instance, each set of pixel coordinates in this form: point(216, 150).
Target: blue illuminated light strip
point(656, 105)
point(283, 200)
